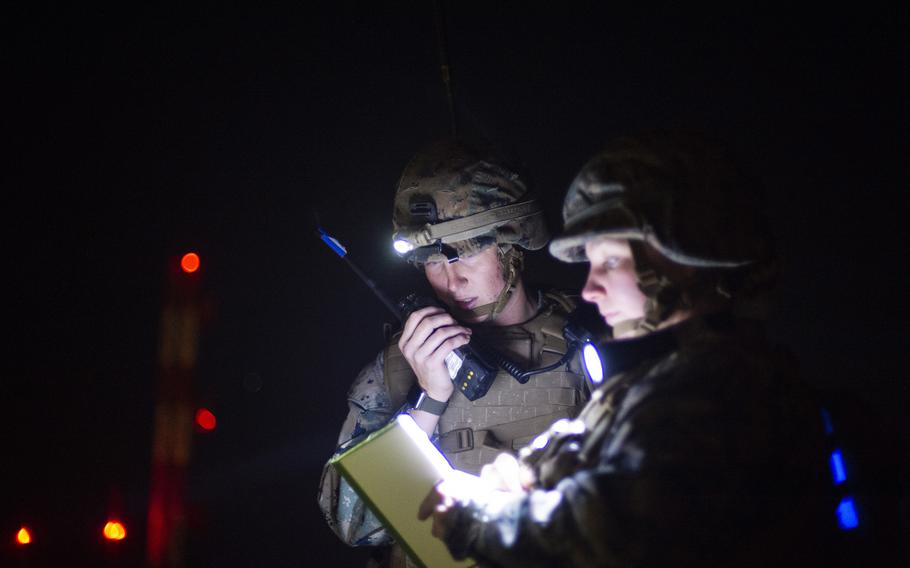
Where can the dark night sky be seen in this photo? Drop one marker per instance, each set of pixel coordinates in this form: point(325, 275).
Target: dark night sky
point(134, 136)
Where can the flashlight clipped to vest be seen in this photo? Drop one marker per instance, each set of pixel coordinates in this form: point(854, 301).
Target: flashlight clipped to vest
point(578, 336)
point(471, 374)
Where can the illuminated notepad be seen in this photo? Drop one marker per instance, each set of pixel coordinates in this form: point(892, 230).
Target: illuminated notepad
point(393, 470)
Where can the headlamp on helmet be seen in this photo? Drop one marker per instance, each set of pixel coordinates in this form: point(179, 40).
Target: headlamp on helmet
point(418, 245)
point(402, 246)
point(422, 254)
point(420, 241)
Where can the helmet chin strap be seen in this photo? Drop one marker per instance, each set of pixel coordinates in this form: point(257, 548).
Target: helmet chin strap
point(512, 262)
point(629, 328)
point(662, 297)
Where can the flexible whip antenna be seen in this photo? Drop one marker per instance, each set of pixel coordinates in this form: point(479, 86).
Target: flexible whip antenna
point(444, 69)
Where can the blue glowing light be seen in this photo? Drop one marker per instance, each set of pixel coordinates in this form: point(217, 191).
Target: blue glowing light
point(846, 514)
point(826, 419)
point(593, 364)
point(837, 467)
point(333, 243)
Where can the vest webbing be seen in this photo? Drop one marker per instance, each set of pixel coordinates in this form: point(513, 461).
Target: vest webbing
point(545, 334)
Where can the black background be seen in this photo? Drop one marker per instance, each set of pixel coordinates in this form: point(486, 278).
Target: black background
point(134, 136)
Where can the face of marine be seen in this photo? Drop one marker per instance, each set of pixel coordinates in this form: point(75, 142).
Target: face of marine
point(612, 282)
point(470, 282)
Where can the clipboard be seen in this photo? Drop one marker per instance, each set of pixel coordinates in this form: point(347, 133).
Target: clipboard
point(393, 470)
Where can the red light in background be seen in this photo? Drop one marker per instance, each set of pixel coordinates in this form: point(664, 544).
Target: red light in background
point(114, 530)
point(205, 419)
point(23, 536)
point(190, 262)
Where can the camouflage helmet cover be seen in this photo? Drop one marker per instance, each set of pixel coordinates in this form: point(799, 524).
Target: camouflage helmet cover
point(463, 183)
point(677, 192)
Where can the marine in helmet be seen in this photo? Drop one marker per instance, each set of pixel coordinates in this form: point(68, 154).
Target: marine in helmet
point(464, 219)
point(700, 447)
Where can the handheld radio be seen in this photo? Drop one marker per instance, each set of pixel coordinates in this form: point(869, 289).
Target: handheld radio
point(468, 367)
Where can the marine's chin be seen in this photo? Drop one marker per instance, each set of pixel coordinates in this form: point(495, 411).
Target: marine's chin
point(469, 317)
point(611, 318)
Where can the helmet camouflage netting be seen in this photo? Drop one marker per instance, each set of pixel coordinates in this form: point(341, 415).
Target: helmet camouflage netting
point(463, 183)
point(674, 191)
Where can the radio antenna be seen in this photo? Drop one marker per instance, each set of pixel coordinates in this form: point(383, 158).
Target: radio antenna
point(444, 69)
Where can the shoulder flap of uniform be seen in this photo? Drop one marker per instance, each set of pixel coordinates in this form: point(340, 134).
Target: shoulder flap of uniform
point(566, 302)
point(396, 371)
point(552, 320)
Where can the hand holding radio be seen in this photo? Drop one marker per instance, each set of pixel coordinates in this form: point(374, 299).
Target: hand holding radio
point(429, 335)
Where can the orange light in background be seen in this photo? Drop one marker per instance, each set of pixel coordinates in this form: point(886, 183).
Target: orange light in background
point(190, 262)
point(23, 536)
point(205, 419)
point(114, 530)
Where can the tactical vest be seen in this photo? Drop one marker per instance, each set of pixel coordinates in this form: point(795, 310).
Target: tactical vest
point(511, 414)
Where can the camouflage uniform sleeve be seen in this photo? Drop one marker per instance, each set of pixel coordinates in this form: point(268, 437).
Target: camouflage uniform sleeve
point(538, 529)
point(684, 462)
point(368, 410)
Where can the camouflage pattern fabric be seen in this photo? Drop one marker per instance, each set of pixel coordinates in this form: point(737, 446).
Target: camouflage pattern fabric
point(707, 454)
point(369, 409)
point(674, 190)
point(371, 404)
point(462, 182)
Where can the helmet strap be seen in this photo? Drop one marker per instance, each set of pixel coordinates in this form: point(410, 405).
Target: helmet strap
point(629, 328)
point(662, 296)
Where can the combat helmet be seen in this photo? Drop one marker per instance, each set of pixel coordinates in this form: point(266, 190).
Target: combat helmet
point(679, 195)
point(453, 201)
